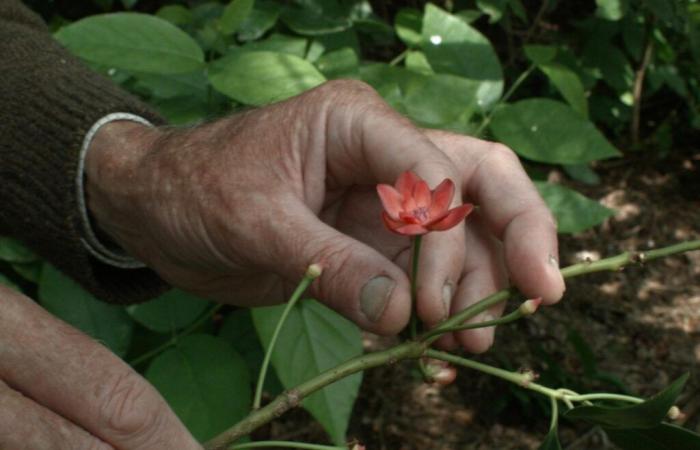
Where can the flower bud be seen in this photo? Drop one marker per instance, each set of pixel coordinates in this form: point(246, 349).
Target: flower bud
point(358, 447)
point(530, 306)
point(314, 271)
point(674, 413)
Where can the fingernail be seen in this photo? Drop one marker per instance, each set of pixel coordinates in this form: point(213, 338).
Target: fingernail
point(553, 261)
point(375, 296)
point(447, 298)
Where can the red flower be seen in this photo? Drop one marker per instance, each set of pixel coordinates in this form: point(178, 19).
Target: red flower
point(412, 209)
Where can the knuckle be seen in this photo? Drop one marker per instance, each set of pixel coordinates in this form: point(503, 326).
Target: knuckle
point(125, 410)
point(502, 154)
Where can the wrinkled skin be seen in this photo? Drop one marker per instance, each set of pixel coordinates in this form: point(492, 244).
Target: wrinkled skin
point(235, 210)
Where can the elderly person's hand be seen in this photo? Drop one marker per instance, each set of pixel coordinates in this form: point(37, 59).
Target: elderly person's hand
point(59, 389)
point(234, 209)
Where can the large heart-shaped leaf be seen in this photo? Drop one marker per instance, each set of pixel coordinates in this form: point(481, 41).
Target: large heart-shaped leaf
point(452, 46)
point(643, 415)
point(169, 312)
point(205, 381)
point(314, 339)
point(573, 211)
point(132, 41)
point(261, 77)
point(108, 324)
point(550, 131)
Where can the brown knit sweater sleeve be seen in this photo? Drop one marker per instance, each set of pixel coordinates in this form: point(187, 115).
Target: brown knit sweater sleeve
point(48, 102)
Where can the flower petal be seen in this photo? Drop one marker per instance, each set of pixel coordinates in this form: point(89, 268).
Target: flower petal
point(452, 218)
point(421, 194)
point(442, 197)
point(391, 224)
point(407, 217)
point(411, 230)
point(406, 182)
point(391, 199)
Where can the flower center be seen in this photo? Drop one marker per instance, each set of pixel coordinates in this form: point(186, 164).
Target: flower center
point(421, 213)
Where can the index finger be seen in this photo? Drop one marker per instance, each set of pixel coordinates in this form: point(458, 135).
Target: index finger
point(69, 373)
point(512, 209)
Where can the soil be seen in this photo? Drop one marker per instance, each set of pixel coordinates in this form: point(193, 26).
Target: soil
point(636, 330)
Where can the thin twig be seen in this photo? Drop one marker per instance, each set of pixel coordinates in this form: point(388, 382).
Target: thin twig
point(637, 90)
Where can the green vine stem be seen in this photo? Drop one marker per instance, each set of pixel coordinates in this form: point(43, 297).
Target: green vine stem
point(516, 84)
point(285, 444)
point(415, 349)
point(313, 272)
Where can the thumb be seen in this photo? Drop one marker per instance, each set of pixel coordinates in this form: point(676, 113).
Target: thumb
point(357, 281)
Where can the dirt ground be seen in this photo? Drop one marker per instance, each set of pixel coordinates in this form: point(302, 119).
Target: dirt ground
point(636, 330)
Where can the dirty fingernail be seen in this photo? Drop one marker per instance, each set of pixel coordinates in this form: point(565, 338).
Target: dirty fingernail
point(375, 296)
point(447, 298)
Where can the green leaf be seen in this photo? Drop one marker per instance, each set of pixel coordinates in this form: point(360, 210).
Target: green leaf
point(185, 110)
point(454, 47)
point(549, 131)
point(169, 312)
point(11, 250)
point(262, 18)
point(341, 63)
point(492, 8)
point(417, 62)
point(234, 15)
point(644, 415)
point(205, 381)
point(29, 271)
point(175, 14)
point(568, 84)
point(314, 339)
point(261, 77)
point(573, 211)
point(132, 41)
point(609, 63)
point(457, 98)
point(108, 324)
point(239, 331)
point(312, 18)
point(280, 43)
point(175, 85)
point(611, 9)
point(551, 442)
point(582, 173)
point(540, 54)
point(408, 23)
point(662, 437)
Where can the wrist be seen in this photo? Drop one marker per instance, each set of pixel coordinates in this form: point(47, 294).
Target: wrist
point(111, 182)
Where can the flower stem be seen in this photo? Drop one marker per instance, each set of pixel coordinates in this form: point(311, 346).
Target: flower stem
point(285, 444)
point(414, 285)
point(296, 295)
point(555, 414)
